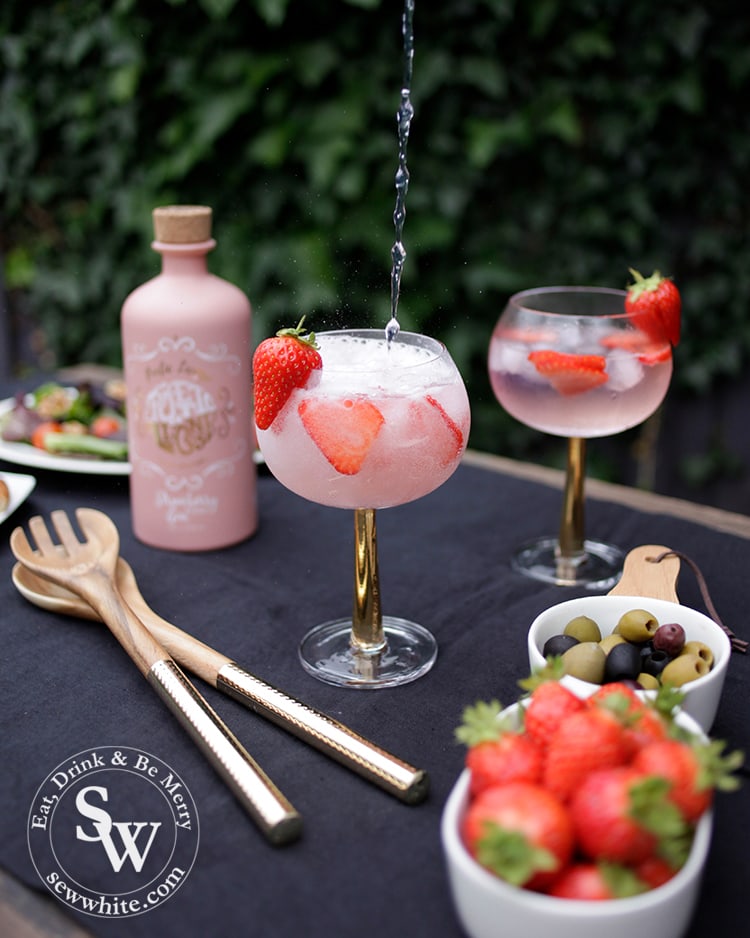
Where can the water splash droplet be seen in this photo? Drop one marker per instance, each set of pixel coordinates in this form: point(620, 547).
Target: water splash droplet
point(403, 120)
point(392, 330)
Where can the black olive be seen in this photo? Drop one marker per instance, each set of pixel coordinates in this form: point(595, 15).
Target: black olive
point(623, 663)
point(558, 645)
point(656, 662)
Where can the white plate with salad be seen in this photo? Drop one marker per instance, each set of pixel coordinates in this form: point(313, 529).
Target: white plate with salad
point(77, 429)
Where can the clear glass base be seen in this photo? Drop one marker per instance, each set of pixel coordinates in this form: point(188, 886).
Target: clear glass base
point(327, 653)
point(598, 566)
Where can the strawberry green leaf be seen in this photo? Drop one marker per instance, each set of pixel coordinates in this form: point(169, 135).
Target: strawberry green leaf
point(621, 881)
point(297, 332)
point(511, 856)
point(480, 723)
point(716, 768)
point(553, 670)
point(652, 810)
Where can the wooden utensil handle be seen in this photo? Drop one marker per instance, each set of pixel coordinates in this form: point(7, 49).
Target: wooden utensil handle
point(123, 623)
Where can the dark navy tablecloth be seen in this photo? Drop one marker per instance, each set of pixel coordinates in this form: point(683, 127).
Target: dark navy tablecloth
point(366, 864)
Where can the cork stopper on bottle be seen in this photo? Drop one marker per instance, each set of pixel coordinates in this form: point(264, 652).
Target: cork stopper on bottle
point(182, 224)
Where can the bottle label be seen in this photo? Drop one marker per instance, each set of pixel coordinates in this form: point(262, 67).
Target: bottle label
point(188, 439)
point(185, 417)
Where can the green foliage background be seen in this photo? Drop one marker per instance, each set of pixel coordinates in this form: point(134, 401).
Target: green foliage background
point(553, 142)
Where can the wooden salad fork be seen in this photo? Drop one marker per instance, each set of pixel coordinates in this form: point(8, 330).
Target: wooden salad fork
point(88, 569)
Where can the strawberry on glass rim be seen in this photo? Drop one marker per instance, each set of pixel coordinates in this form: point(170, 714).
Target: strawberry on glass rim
point(281, 364)
point(654, 306)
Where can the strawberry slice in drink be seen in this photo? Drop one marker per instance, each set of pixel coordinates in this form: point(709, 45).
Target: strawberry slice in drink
point(430, 421)
point(630, 340)
point(648, 351)
point(655, 354)
point(343, 430)
point(570, 373)
point(525, 335)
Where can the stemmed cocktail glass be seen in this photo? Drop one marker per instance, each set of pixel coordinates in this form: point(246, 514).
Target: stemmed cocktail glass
point(381, 423)
point(570, 362)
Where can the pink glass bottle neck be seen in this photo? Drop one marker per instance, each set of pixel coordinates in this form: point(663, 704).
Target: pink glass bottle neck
point(183, 258)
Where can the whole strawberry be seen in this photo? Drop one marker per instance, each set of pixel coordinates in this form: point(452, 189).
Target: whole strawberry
point(586, 880)
point(642, 723)
point(550, 702)
point(654, 306)
point(693, 771)
point(281, 364)
point(654, 871)
point(496, 752)
point(520, 832)
point(622, 815)
point(584, 742)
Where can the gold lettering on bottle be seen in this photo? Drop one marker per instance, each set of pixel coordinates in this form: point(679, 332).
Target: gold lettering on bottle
point(185, 417)
point(160, 370)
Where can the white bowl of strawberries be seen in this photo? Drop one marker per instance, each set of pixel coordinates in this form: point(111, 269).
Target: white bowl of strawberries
point(580, 817)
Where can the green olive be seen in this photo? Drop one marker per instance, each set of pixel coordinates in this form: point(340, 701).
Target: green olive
point(637, 625)
point(609, 641)
point(701, 650)
point(648, 681)
point(586, 661)
point(584, 629)
point(683, 669)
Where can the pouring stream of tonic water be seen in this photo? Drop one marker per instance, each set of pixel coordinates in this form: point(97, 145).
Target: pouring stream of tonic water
point(404, 116)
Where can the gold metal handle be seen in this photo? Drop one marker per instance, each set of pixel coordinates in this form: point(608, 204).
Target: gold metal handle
point(326, 734)
point(270, 810)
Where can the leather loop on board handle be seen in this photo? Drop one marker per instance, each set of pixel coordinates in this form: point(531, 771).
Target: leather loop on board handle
point(642, 577)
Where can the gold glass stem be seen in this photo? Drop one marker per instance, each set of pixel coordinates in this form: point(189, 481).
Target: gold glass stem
point(570, 546)
point(367, 620)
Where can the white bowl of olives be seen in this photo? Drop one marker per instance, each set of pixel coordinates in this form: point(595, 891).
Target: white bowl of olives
point(635, 638)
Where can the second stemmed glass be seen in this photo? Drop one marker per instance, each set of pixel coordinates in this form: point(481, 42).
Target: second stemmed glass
point(381, 424)
point(569, 361)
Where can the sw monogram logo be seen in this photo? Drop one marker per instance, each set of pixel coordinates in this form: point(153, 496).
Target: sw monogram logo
point(128, 832)
point(113, 832)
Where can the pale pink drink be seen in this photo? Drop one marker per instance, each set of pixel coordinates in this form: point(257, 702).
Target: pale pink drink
point(380, 424)
point(636, 372)
point(570, 362)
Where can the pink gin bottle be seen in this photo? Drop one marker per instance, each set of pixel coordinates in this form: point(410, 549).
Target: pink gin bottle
point(186, 346)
